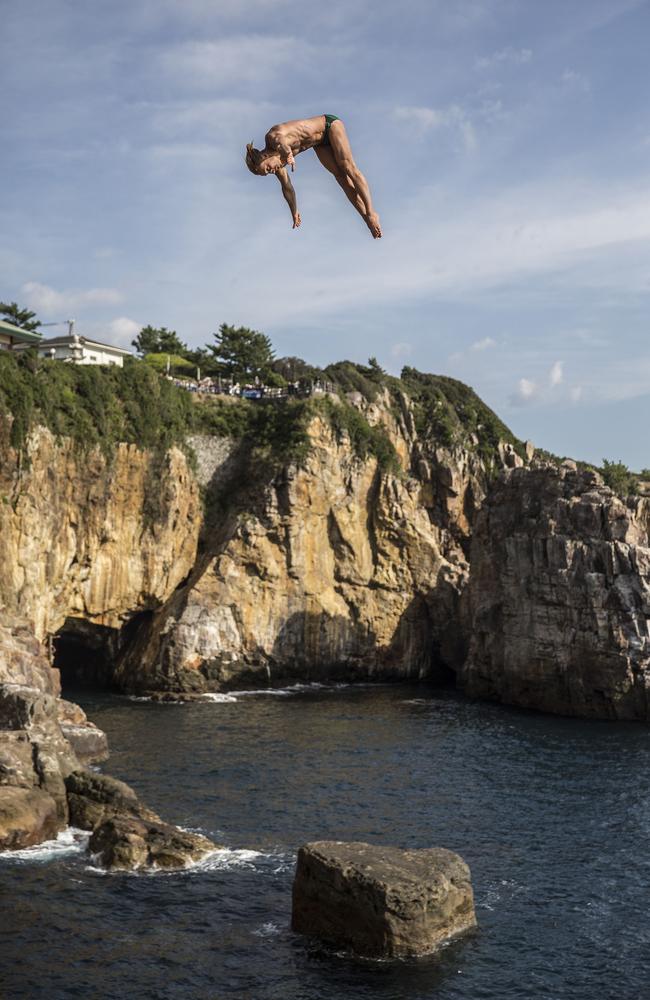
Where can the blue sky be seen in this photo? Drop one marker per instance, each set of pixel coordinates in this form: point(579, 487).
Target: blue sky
point(506, 142)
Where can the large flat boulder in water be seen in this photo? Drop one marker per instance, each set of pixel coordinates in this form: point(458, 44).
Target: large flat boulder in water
point(381, 902)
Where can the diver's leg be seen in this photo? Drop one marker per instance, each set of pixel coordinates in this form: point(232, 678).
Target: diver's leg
point(326, 157)
point(340, 147)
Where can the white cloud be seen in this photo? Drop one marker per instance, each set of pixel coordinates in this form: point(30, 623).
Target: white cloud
point(525, 392)
point(182, 117)
point(555, 375)
point(576, 394)
point(423, 119)
point(236, 60)
point(483, 345)
point(401, 350)
point(49, 301)
point(516, 57)
point(123, 330)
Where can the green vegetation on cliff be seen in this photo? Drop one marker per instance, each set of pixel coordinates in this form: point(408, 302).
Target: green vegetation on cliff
point(94, 405)
point(450, 413)
point(105, 405)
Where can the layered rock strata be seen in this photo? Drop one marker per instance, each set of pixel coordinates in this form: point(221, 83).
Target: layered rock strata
point(381, 902)
point(559, 596)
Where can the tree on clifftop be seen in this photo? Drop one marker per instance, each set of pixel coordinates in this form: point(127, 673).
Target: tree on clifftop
point(242, 354)
point(11, 312)
point(159, 340)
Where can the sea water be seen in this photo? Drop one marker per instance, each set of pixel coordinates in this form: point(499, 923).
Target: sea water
point(551, 814)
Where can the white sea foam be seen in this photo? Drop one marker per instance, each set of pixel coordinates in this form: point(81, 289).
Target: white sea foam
point(69, 841)
point(268, 930)
point(221, 859)
point(286, 692)
point(215, 696)
point(225, 858)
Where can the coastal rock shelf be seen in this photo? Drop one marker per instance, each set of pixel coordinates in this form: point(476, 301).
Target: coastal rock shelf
point(381, 902)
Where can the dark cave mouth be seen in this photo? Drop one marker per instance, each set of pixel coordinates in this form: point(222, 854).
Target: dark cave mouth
point(85, 654)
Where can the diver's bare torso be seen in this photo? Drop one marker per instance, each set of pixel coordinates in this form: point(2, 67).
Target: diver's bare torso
point(298, 135)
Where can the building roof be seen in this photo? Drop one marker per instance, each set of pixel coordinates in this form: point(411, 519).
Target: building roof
point(65, 340)
point(28, 336)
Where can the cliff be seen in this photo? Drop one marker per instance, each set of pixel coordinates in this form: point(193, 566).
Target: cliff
point(559, 596)
point(333, 568)
point(89, 538)
point(395, 532)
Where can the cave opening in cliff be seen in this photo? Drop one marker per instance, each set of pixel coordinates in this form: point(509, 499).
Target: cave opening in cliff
point(85, 654)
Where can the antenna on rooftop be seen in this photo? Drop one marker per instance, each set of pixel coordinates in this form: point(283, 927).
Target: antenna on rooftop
point(62, 322)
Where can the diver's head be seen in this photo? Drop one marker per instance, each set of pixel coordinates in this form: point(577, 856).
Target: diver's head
point(260, 162)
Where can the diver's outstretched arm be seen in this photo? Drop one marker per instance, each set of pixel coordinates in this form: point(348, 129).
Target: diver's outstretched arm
point(289, 195)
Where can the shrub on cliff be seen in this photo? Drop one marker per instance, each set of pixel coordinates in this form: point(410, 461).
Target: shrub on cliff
point(95, 405)
point(619, 478)
point(277, 430)
point(365, 439)
point(448, 412)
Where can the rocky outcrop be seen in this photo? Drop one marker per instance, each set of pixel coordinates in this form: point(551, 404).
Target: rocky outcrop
point(381, 902)
point(89, 537)
point(125, 833)
point(34, 760)
point(331, 569)
point(43, 742)
point(86, 739)
point(559, 596)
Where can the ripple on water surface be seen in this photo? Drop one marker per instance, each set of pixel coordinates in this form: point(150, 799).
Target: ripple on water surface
point(553, 816)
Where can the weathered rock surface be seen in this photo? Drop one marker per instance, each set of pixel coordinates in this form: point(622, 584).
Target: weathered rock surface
point(34, 760)
point(126, 834)
point(131, 842)
point(333, 569)
point(91, 538)
point(559, 596)
point(86, 739)
point(23, 659)
point(28, 816)
point(381, 902)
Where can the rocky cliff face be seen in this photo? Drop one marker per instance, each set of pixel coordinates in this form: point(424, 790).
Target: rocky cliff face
point(559, 596)
point(334, 569)
point(92, 538)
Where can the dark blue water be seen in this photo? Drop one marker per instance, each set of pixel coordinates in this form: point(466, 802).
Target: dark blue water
point(552, 815)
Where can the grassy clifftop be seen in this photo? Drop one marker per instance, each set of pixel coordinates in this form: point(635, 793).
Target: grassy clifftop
point(94, 405)
point(102, 406)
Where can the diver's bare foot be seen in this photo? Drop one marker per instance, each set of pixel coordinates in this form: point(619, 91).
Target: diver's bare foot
point(372, 223)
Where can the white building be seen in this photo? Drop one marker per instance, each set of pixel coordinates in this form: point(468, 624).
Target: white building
point(79, 350)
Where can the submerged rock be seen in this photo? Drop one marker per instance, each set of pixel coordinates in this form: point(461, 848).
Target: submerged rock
point(126, 834)
point(381, 902)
